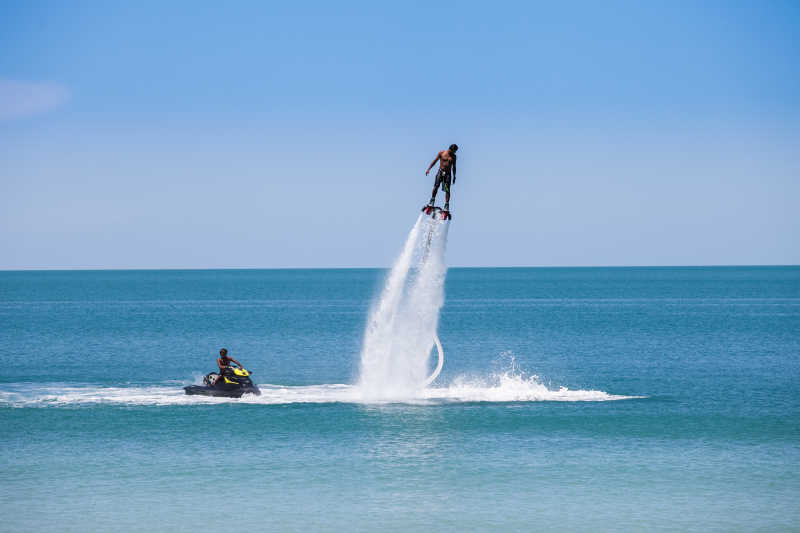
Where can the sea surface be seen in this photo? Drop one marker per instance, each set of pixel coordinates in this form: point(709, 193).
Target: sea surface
point(571, 399)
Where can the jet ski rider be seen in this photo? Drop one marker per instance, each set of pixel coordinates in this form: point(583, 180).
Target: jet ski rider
point(224, 362)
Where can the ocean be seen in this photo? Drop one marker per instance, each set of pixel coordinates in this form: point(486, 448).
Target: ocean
point(570, 399)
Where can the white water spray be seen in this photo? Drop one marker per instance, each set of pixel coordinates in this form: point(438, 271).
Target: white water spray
point(401, 329)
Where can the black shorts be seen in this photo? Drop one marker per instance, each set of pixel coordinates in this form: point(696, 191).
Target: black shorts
point(443, 178)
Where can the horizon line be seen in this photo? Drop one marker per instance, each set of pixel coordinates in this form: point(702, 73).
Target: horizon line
point(206, 269)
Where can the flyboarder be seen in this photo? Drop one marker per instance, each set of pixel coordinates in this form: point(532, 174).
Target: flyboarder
point(447, 166)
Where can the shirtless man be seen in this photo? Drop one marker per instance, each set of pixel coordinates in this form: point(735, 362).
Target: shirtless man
point(224, 362)
point(447, 161)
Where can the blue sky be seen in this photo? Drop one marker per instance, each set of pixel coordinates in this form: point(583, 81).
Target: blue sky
point(296, 135)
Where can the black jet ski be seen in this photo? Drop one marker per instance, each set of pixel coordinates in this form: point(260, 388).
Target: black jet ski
point(234, 383)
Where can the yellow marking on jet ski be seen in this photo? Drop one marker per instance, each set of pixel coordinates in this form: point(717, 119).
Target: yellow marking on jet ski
point(241, 372)
point(229, 381)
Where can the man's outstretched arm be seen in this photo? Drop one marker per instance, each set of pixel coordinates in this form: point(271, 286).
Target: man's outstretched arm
point(438, 156)
point(454, 169)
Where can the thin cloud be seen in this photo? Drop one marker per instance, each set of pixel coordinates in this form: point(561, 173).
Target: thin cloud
point(25, 98)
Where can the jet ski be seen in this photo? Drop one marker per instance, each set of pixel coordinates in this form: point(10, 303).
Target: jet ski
point(234, 383)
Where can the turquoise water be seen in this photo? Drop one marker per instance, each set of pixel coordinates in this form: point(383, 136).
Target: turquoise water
point(592, 399)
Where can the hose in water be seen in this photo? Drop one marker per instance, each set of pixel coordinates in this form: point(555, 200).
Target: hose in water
point(439, 364)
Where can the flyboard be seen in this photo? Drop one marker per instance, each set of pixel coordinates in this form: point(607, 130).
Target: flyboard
point(436, 213)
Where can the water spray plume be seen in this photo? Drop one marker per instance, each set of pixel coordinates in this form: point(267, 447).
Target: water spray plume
point(401, 329)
